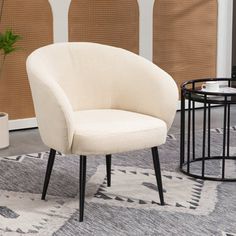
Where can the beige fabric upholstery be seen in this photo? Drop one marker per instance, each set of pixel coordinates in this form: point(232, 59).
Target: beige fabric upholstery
point(76, 87)
point(113, 131)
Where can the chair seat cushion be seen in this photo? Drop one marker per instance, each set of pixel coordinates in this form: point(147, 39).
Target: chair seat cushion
point(108, 131)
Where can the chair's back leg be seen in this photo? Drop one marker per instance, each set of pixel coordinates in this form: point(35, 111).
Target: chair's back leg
point(108, 164)
point(82, 182)
point(51, 159)
point(157, 169)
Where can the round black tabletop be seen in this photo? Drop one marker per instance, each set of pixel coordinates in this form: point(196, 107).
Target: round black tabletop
point(193, 90)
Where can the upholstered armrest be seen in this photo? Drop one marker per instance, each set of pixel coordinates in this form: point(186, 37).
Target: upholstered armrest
point(146, 89)
point(53, 111)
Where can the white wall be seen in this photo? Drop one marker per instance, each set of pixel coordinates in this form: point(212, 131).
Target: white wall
point(60, 11)
point(224, 43)
point(146, 28)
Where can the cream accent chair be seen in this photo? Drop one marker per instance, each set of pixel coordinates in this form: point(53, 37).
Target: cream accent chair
point(95, 99)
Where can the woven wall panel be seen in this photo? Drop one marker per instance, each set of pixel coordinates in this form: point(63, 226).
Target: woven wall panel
point(185, 38)
point(33, 20)
point(109, 22)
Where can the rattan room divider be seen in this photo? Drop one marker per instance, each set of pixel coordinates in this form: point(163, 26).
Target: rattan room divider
point(32, 19)
point(109, 22)
point(185, 38)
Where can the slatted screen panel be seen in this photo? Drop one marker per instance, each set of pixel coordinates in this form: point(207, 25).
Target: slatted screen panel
point(33, 20)
point(185, 38)
point(108, 22)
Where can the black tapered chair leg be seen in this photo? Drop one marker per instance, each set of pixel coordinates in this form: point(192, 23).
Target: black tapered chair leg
point(82, 182)
point(51, 159)
point(108, 164)
point(157, 169)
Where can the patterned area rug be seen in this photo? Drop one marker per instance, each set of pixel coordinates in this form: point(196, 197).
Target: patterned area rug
point(129, 207)
point(25, 213)
point(136, 187)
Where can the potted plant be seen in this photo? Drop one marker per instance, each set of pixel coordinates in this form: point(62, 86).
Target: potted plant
point(7, 45)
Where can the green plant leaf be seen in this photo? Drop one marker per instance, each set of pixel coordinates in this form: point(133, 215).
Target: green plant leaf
point(7, 44)
point(7, 41)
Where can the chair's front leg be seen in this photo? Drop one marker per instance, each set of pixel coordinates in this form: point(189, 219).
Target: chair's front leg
point(108, 165)
point(157, 169)
point(51, 159)
point(82, 181)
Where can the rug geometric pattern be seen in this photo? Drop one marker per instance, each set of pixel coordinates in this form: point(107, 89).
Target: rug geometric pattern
point(20, 158)
point(137, 188)
point(228, 234)
point(26, 213)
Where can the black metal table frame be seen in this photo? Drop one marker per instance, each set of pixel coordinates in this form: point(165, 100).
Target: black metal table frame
point(190, 92)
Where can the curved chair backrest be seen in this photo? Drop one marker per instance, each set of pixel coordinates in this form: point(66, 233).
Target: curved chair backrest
point(67, 77)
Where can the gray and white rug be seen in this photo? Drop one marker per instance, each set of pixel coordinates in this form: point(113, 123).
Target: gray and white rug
point(129, 207)
point(137, 188)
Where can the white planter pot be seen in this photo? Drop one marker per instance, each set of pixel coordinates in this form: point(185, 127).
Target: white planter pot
point(4, 130)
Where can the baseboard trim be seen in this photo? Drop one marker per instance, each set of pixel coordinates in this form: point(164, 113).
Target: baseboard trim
point(23, 123)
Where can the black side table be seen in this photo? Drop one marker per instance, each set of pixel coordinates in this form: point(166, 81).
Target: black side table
point(190, 159)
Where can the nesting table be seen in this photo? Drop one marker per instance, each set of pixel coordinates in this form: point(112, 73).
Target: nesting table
point(195, 153)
